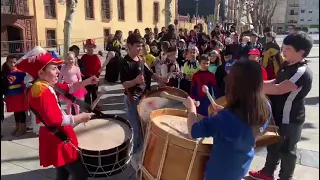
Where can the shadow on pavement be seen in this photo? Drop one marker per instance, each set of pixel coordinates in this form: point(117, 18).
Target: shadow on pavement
point(312, 101)
point(308, 126)
point(247, 178)
point(40, 174)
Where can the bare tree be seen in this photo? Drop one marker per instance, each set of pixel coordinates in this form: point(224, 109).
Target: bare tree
point(70, 10)
point(263, 14)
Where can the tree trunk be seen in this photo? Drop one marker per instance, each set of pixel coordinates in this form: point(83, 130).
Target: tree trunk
point(70, 9)
point(240, 14)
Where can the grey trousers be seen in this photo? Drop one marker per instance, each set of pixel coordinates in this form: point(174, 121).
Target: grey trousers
point(285, 151)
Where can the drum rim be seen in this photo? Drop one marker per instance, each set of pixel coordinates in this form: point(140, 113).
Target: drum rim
point(160, 89)
point(202, 148)
point(125, 146)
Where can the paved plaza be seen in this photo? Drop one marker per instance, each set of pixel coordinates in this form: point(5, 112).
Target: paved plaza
point(19, 157)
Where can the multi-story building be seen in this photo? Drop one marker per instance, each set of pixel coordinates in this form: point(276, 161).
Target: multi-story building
point(309, 13)
point(42, 21)
point(279, 17)
point(303, 13)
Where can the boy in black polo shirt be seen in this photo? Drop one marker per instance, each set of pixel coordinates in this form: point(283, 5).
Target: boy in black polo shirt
point(287, 94)
point(132, 73)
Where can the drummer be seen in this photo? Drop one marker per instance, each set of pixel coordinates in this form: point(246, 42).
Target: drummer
point(43, 100)
point(132, 78)
point(235, 128)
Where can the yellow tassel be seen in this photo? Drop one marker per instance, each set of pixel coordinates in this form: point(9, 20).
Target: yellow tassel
point(38, 88)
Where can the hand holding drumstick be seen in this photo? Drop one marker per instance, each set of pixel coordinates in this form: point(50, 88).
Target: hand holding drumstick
point(215, 106)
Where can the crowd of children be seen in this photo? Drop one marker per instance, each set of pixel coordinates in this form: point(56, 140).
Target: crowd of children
point(230, 64)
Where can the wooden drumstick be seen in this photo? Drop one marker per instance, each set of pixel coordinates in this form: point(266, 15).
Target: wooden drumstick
point(177, 98)
point(205, 89)
point(102, 92)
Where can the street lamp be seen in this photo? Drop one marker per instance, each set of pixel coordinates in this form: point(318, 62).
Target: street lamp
point(197, 2)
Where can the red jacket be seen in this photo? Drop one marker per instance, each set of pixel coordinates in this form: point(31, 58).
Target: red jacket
point(264, 74)
point(90, 65)
point(52, 151)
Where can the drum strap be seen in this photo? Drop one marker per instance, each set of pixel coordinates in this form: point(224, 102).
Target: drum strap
point(55, 130)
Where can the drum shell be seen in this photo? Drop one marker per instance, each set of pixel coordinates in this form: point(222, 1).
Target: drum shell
point(118, 156)
point(156, 93)
point(270, 136)
point(179, 152)
point(222, 101)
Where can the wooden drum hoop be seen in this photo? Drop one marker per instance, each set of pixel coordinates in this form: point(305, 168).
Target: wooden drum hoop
point(156, 93)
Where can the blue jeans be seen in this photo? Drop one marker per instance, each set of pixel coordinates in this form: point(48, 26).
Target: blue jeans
point(133, 117)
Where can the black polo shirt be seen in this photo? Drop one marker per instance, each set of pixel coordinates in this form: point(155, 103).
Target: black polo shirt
point(289, 108)
point(129, 70)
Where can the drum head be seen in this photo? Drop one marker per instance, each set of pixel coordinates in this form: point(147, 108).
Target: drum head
point(174, 122)
point(102, 134)
point(152, 101)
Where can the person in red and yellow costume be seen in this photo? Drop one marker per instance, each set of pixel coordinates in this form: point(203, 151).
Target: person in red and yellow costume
point(43, 67)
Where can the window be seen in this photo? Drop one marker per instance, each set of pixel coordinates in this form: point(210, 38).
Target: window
point(106, 10)
point(51, 37)
point(310, 19)
point(302, 11)
point(106, 33)
point(139, 10)
point(121, 10)
point(89, 9)
point(310, 11)
point(50, 9)
point(291, 12)
point(156, 12)
point(302, 19)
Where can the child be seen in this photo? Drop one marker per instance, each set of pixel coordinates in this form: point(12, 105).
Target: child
point(181, 48)
point(43, 100)
point(170, 69)
point(69, 74)
point(200, 78)
point(150, 60)
point(287, 94)
point(162, 57)
point(254, 55)
point(15, 98)
point(235, 127)
point(90, 64)
point(214, 57)
point(222, 71)
point(190, 67)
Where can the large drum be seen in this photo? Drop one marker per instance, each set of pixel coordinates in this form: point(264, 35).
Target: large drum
point(270, 136)
point(168, 152)
point(105, 144)
point(152, 101)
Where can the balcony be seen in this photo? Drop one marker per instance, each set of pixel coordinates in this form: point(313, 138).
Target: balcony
point(15, 7)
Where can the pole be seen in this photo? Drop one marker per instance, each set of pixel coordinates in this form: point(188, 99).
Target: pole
point(197, 1)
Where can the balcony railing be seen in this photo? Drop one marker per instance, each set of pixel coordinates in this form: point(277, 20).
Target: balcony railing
point(15, 7)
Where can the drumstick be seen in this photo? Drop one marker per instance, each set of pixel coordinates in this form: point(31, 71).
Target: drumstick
point(105, 63)
point(205, 89)
point(177, 98)
point(102, 92)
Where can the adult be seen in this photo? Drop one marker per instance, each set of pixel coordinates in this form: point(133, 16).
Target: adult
point(171, 34)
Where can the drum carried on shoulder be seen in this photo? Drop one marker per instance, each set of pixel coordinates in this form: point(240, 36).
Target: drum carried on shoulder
point(270, 136)
point(105, 145)
point(168, 151)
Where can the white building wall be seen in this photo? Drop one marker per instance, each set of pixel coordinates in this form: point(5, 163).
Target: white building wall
point(309, 12)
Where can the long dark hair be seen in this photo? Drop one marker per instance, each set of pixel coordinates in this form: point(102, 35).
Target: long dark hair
point(244, 93)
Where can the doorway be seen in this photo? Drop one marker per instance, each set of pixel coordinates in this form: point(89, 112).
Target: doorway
point(15, 40)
